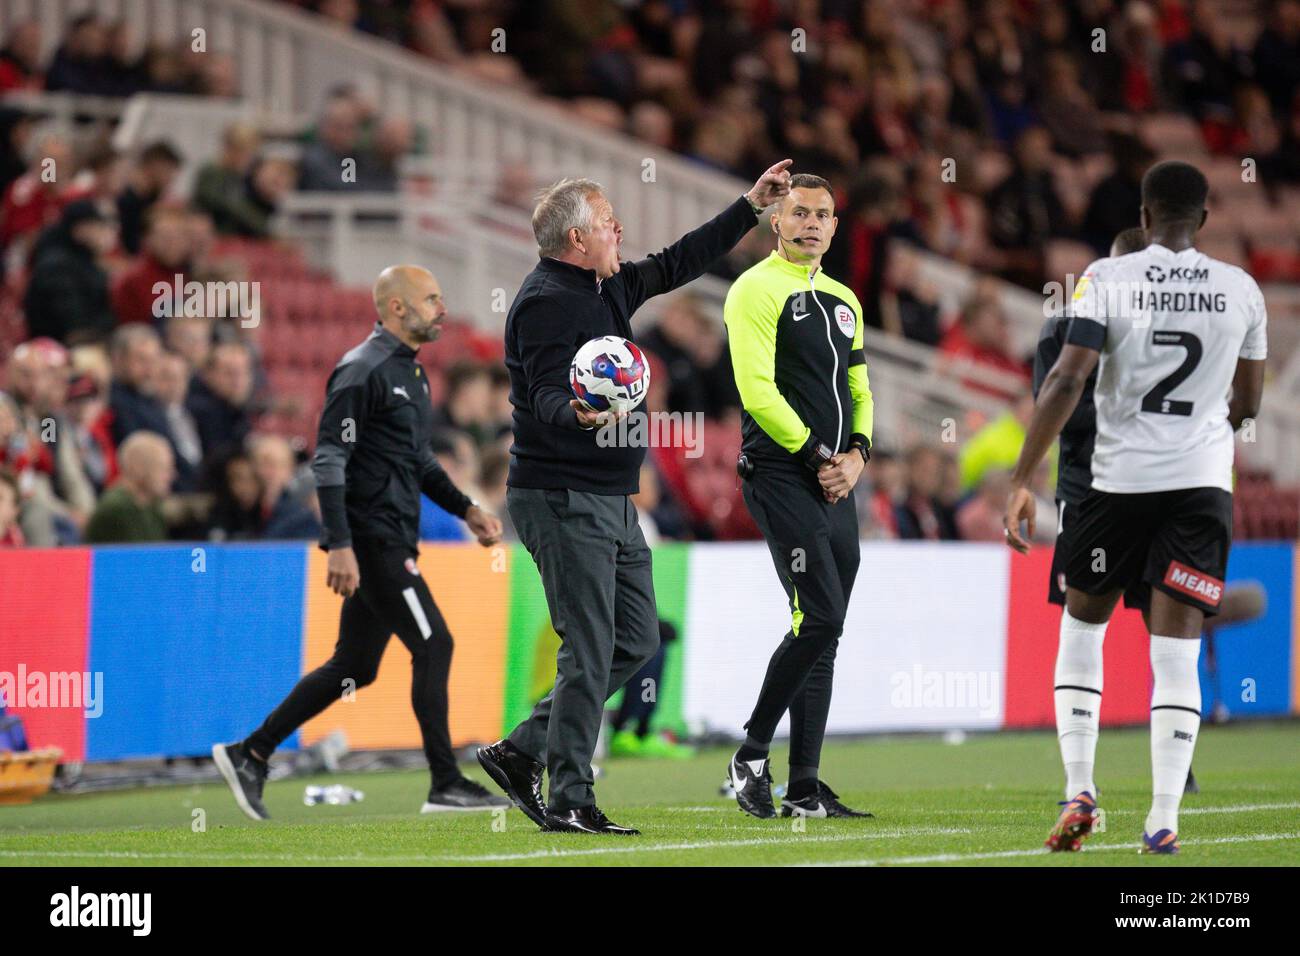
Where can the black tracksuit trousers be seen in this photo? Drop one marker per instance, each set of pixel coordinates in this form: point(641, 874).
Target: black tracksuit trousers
point(393, 598)
point(814, 546)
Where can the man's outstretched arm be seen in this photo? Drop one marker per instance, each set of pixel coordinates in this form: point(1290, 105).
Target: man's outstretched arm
point(688, 257)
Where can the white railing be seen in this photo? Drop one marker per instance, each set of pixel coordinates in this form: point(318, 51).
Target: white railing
point(288, 61)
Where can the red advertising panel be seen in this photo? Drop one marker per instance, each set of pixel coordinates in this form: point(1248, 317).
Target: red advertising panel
point(1033, 629)
point(44, 610)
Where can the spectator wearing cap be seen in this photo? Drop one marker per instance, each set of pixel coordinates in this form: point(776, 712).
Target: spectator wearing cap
point(282, 516)
point(67, 296)
point(130, 511)
point(148, 183)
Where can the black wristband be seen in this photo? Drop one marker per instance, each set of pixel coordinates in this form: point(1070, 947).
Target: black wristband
point(815, 452)
point(334, 518)
point(863, 444)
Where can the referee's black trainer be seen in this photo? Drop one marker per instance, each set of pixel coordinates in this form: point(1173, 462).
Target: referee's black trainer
point(824, 803)
point(245, 775)
point(463, 794)
point(518, 774)
point(585, 820)
point(753, 785)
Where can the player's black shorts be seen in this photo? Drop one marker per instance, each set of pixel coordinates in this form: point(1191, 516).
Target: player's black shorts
point(1067, 516)
point(1176, 541)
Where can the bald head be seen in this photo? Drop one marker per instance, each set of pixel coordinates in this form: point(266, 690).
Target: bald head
point(147, 465)
point(409, 302)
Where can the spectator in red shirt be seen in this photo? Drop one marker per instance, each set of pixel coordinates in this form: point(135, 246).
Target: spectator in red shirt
point(35, 199)
point(165, 254)
point(11, 536)
point(982, 335)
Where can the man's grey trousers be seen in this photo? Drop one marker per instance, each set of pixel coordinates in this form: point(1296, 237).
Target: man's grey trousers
point(596, 571)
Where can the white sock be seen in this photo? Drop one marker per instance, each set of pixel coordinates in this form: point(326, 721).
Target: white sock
point(1078, 700)
point(1175, 722)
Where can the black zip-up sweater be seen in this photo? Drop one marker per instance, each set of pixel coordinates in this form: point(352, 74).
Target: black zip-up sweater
point(560, 307)
point(374, 452)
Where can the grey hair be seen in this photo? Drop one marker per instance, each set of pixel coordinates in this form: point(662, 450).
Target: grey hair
point(560, 207)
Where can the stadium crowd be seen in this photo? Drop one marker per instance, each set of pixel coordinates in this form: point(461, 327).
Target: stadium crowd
point(117, 422)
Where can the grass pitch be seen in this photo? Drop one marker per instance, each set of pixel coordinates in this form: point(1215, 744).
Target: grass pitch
point(988, 801)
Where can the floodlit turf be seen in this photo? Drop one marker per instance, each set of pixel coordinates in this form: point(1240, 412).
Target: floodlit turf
point(990, 800)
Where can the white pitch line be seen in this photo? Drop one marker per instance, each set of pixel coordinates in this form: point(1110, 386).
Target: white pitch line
point(1231, 808)
point(1038, 851)
point(1240, 808)
point(633, 846)
point(698, 809)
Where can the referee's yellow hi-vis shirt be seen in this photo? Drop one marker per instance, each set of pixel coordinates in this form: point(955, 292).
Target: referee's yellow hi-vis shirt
point(796, 347)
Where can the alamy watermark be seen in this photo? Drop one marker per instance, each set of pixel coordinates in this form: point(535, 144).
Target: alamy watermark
point(213, 300)
point(923, 688)
point(53, 689)
point(655, 430)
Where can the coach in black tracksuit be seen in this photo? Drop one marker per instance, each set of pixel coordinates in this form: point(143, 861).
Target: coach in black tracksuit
point(373, 459)
point(569, 497)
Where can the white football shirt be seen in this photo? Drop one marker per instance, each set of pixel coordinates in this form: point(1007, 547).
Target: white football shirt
point(1170, 327)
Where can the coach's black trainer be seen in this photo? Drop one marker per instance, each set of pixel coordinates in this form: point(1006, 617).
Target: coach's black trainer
point(463, 794)
point(753, 785)
point(585, 820)
point(245, 775)
point(824, 803)
point(518, 774)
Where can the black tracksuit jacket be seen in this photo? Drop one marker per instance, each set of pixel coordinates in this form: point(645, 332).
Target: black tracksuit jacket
point(374, 452)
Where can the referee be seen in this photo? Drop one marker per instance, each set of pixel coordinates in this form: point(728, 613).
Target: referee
point(373, 459)
point(796, 346)
point(569, 496)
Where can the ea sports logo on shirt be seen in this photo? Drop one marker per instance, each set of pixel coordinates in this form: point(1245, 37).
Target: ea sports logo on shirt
point(844, 316)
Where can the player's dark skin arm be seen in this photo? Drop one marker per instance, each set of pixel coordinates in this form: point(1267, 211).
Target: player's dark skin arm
point(1056, 400)
point(1247, 391)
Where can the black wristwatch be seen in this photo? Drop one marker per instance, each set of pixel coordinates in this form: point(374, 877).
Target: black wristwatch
point(863, 444)
point(815, 452)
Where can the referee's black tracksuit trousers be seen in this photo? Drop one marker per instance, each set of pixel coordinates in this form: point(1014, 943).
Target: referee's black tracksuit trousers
point(814, 546)
point(393, 598)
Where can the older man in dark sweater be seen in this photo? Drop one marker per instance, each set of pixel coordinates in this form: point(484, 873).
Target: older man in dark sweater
point(569, 494)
